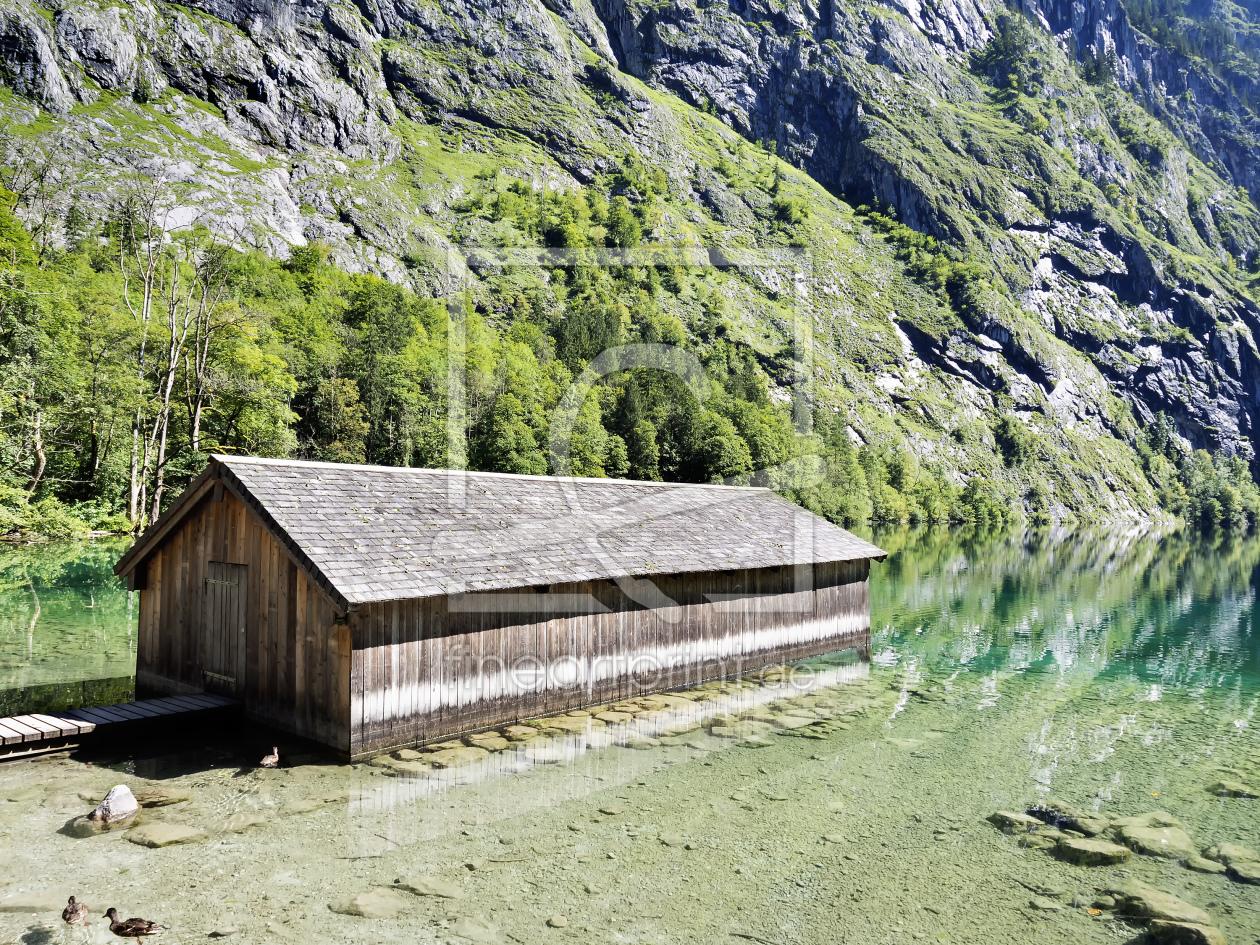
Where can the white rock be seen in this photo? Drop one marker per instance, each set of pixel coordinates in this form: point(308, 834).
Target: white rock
point(118, 805)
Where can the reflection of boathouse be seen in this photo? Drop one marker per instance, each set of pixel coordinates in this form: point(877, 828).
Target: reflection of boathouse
point(371, 608)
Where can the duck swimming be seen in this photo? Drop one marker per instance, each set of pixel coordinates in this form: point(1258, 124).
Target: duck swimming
point(75, 913)
point(131, 928)
point(272, 760)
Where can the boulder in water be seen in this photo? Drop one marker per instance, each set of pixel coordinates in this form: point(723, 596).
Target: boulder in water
point(163, 796)
point(1172, 843)
point(1202, 865)
point(1245, 871)
point(1232, 789)
point(376, 903)
point(1145, 902)
point(1065, 817)
point(431, 886)
point(454, 757)
point(1086, 852)
point(1231, 853)
point(1014, 822)
point(163, 835)
point(1163, 932)
point(119, 805)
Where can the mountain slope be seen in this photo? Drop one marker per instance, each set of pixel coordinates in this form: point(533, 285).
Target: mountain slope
point(1090, 240)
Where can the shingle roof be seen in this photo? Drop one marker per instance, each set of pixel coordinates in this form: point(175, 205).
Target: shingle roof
point(374, 533)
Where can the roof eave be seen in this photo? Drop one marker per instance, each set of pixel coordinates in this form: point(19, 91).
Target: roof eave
point(168, 521)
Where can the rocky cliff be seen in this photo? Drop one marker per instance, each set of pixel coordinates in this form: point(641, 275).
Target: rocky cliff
point(1106, 228)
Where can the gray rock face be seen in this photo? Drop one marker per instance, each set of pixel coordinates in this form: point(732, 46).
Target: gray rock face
point(300, 90)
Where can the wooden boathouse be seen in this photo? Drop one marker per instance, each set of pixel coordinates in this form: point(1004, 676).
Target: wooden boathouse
point(371, 608)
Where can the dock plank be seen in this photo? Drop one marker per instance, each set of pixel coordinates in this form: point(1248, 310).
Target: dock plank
point(64, 726)
point(24, 733)
point(207, 701)
point(126, 712)
point(100, 715)
point(83, 725)
point(29, 733)
point(45, 729)
point(139, 709)
point(182, 704)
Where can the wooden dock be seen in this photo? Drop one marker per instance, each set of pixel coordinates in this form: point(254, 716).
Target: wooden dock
point(39, 732)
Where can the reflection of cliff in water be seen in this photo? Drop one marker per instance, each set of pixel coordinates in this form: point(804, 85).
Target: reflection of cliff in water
point(1158, 610)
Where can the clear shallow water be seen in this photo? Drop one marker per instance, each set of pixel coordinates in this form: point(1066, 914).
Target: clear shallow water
point(1118, 674)
point(64, 620)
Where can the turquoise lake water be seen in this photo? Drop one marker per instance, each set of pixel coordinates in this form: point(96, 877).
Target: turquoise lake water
point(1117, 674)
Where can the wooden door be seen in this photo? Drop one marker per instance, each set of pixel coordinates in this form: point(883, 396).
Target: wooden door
point(223, 628)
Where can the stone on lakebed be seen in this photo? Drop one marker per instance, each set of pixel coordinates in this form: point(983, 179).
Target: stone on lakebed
point(119, 805)
point(1232, 789)
point(376, 903)
point(1245, 871)
point(430, 886)
point(163, 797)
point(1201, 865)
point(1172, 843)
point(1231, 854)
point(1142, 901)
point(163, 835)
point(454, 757)
point(1009, 821)
point(1085, 852)
point(1163, 932)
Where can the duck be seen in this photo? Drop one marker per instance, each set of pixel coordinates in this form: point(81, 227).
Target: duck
point(131, 928)
point(272, 760)
point(75, 913)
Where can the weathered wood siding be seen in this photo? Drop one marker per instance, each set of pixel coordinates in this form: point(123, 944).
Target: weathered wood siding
point(427, 668)
point(297, 660)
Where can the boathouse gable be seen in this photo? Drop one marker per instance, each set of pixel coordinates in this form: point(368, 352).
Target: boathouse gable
point(372, 608)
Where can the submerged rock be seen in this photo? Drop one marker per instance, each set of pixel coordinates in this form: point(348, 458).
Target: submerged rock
point(1163, 932)
point(1014, 822)
point(475, 929)
point(1201, 865)
point(1142, 901)
point(453, 757)
point(743, 729)
point(1231, 854)
point(520, 733)
point(1169, 842)
point(163, 797)
point(301, 805)
point(1065, 817)
point(241, 820)
point(163, 835)
point(431, 886)
point(1086, 852)
point(1245, 871)
point(1232, 789)
point(488, 742)
point(376, 903)
point(119, 805)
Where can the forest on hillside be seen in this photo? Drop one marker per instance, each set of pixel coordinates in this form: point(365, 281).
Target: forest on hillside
point(129, 353)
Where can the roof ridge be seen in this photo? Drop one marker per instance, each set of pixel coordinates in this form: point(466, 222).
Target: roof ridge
point(317, 464)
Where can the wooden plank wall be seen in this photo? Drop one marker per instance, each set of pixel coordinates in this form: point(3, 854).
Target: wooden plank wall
point(297, 659)
point(425, 669)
